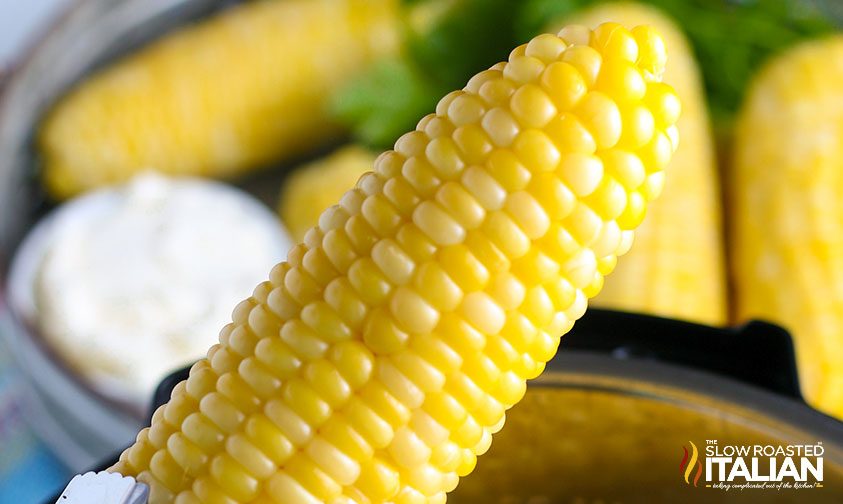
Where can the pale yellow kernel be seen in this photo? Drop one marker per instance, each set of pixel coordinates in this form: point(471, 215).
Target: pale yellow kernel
point(473, 143)
point(466, 109)
point(484, 188)
point(320, 317)
point(396, 265)
point(261, 322)
point(480, 78)
point(387, 165)
point(339, 433)
point(411, 144)
point(364, 420)
point(536, 268)
point(662, 101)
point(624, 166)
point(538, 307)
point(621, 80)
point(432, 348)
point(634, 212)
point(400, 193)
point(202, 432)
point(332, 218)
point(469, 461)
point(575, 35)
point(600, 115)
point(481, 311)
point(462, 336)
point(653, 185)
point(656, 154)
point(186, 497)
point(222, 359)
point(381, 215)
point(673, 134)
point(489, 254)
point(546, 47)
point(360, 233)
point(607, 264)
point(412, 312)
point(446, 456)
point(189, 457)
point(523, 69)
point(370, 183)
point(431, 432)
point(259, 378)
point(463, 267)
point(232, 386)
point(353, 198)
point(438, 288)
point(501, 126)
point(532, 106)
point(207, 491)
point(586, 60)
point(368, 281)
point(581, 173)
point(507, 291)
point(652, 54)
point(439, 127)
point(415, 242)
point(179, 406)
point(167, 471)
point(501, 352)
point(301, 286)
point(608, 241)
point(407, 449)
point(609, 199)
point(304, 400)
point(571, 136)
point(141, 452)
point(385, 403)
point(221, 412)
point(421, 175)
point(249, 456)
point(303, 340)
point(379, 480)
point(295, 255)
point(336, 464)
point(437, 224)
point(277, 356)
point(460, 205)
point(282, 304)
point(354, 361)
point(401, 387)
point(294, 428)
point(497, 91)
point(580, 269)
point(445, 102)
point(565, 85)
point(445, 158)
point(576, 310)
point(470, 432)
point(283, 488)
point(595, 286)
point(536, 150)
point(584, 225)
point(553, 195)
point(505, 234)
point(505, 167)
point(422, 373)
point(270, 438)
point(445, 409)
point(627, 237)
point(409, 495)
point(614, 39)
point(528, 214)
point(427, 479)
point(484, 444)
point(519, 331)
point(328, 382)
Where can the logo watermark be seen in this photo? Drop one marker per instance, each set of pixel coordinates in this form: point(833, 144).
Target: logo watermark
point(729, 467)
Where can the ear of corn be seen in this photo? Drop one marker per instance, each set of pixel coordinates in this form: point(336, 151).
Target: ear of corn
point(787, 215)
point(676, 268)
point(317, 185)
point(224, 96)
point(376, 363)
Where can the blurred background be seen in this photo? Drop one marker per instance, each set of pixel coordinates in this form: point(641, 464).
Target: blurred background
point(157, 157)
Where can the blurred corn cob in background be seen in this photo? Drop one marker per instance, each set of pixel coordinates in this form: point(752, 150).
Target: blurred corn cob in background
point(227, 95)
point(787, 210)
point(677, 267)
point(311, 188)
point(376, 363)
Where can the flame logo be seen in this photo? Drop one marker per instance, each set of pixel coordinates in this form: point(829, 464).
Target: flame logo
point(686, 467)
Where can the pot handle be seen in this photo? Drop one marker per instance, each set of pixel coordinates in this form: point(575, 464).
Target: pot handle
point(757, 353)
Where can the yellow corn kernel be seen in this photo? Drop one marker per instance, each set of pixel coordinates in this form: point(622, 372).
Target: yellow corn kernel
point(393, 371)
point(677, 267)
point(787, 222)
point(227, 95)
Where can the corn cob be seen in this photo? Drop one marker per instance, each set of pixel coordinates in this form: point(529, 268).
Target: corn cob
point(787, 219)
point(225, 96)
point(677, 267)
point(376, 363)
point(317, 185)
